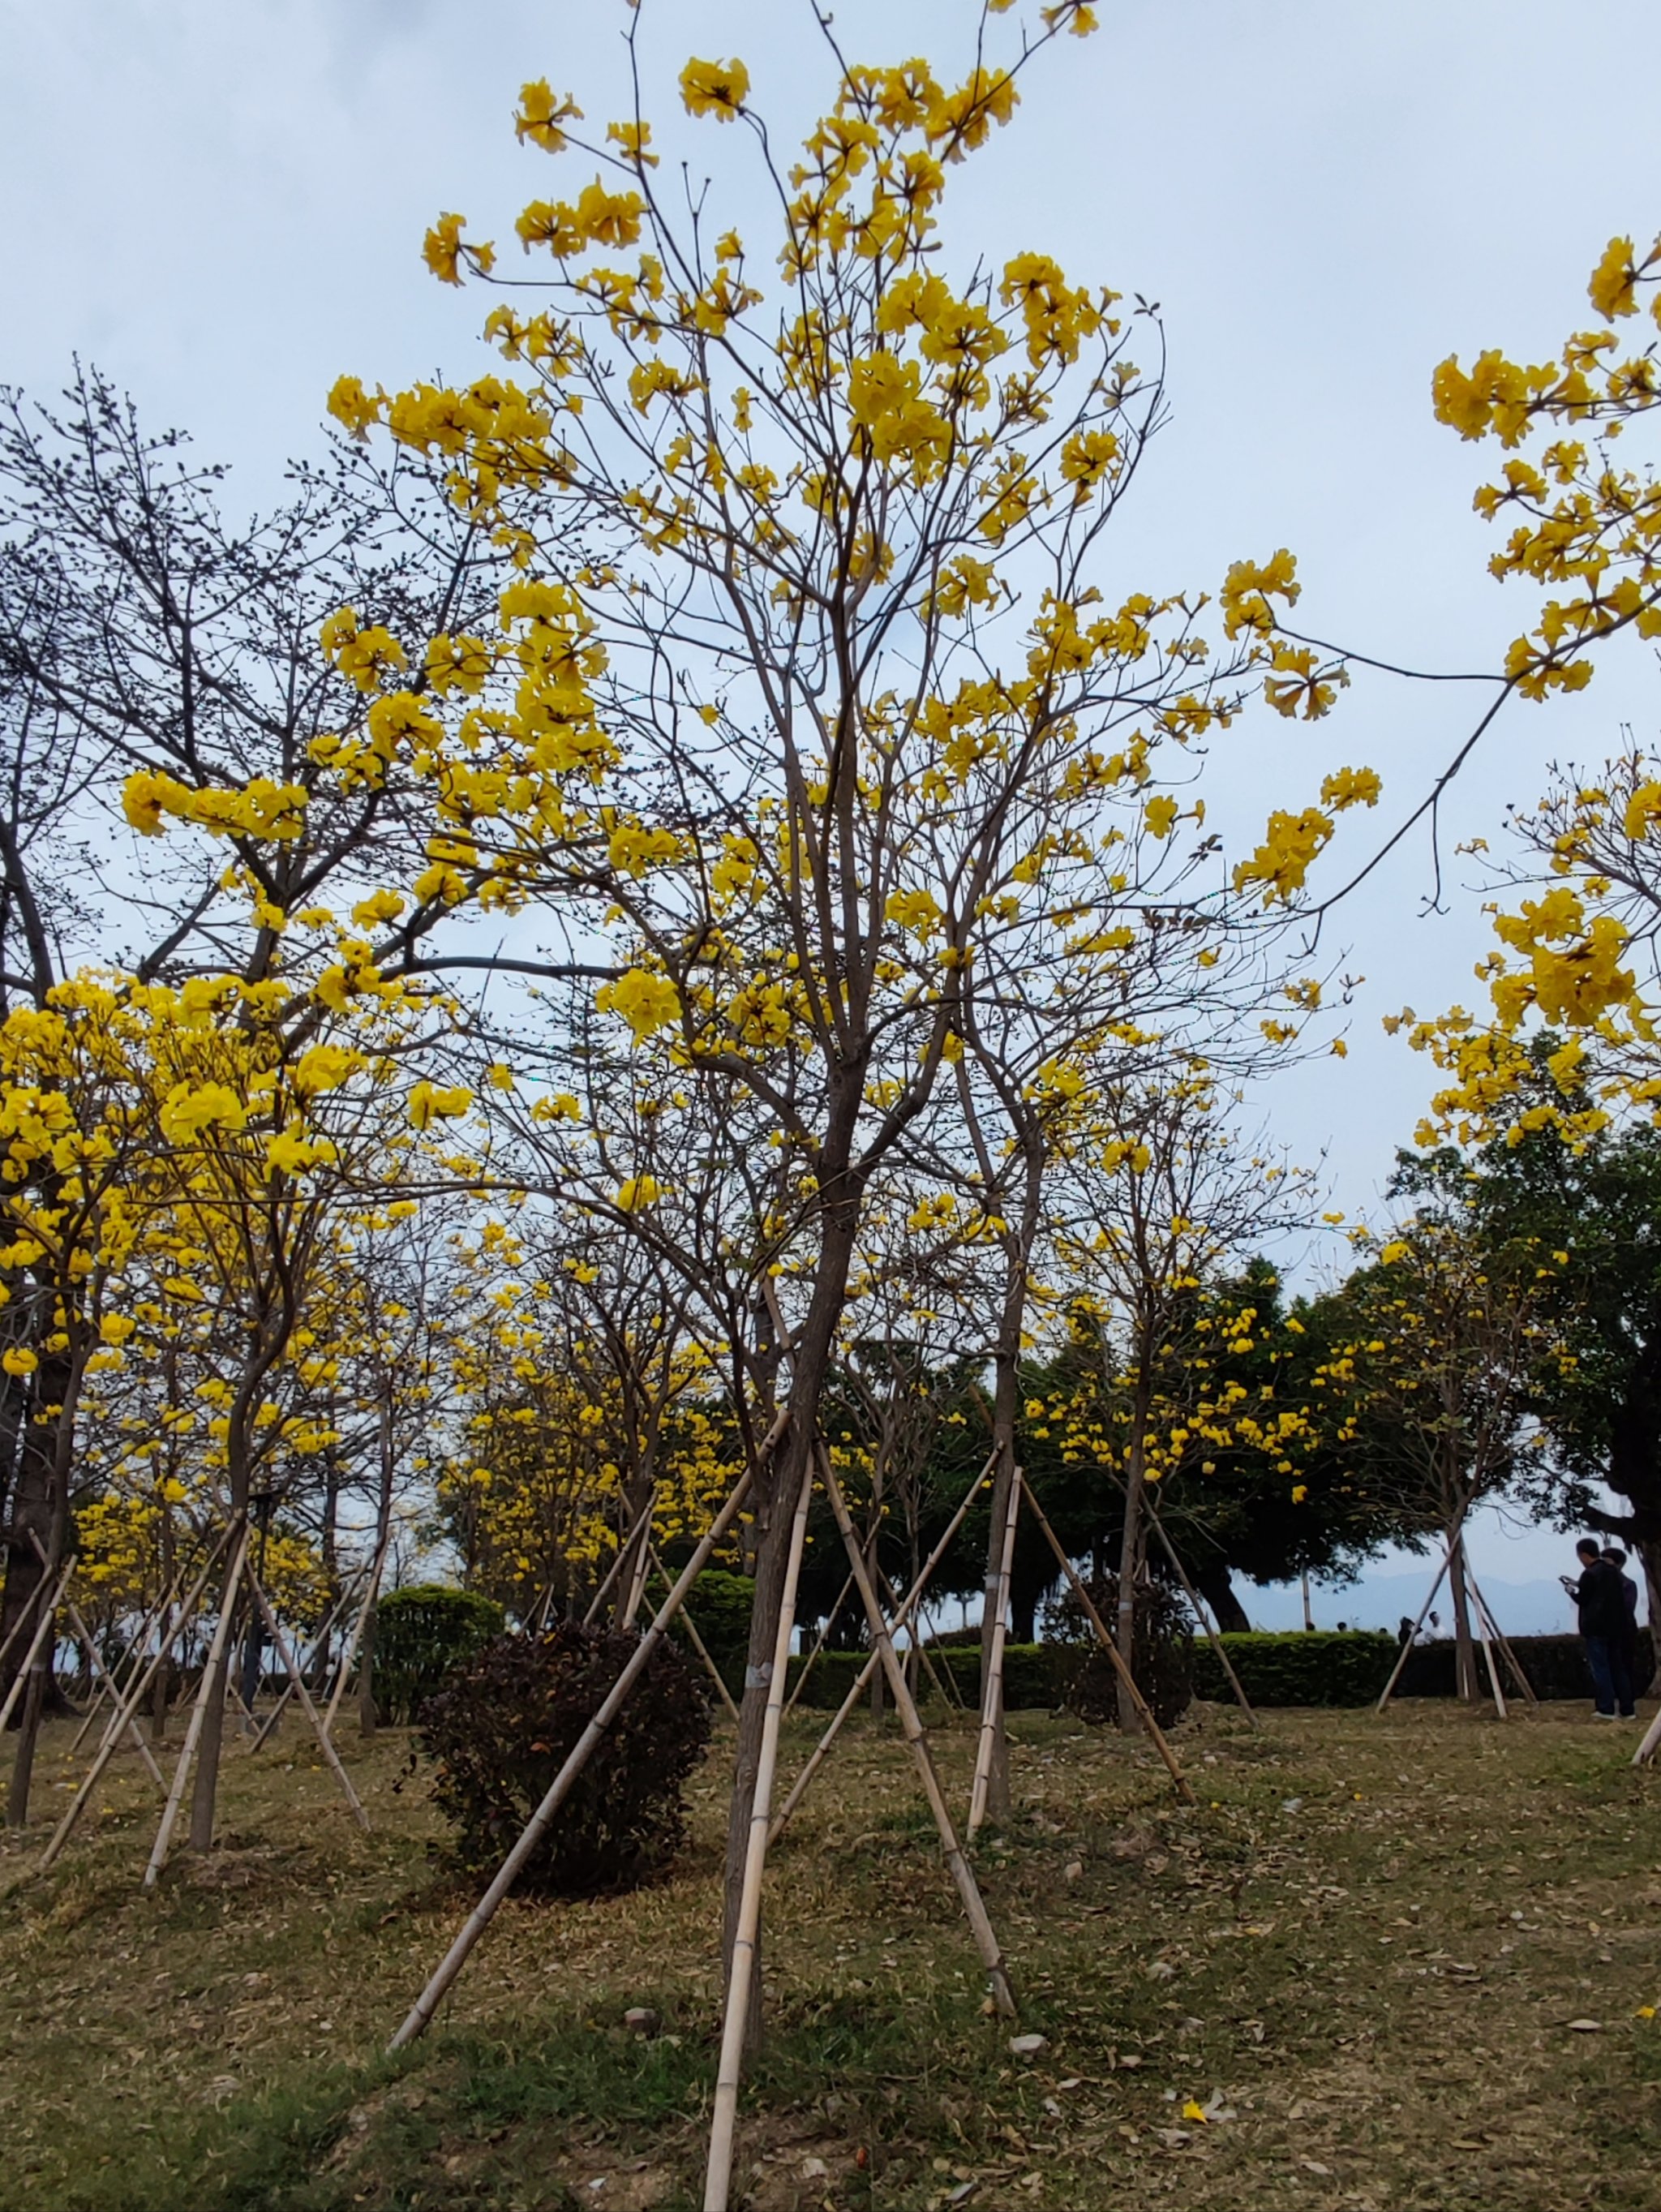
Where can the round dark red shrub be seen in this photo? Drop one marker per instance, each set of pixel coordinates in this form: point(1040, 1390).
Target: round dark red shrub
point(500, 1730)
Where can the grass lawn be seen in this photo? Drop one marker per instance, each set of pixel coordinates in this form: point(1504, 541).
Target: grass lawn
point(1364, 1955)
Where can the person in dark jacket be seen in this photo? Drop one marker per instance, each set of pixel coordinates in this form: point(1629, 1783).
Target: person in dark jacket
point(1618, 1559)
point(1601, 1604)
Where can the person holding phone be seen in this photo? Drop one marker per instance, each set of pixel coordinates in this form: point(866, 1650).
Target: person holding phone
point(1601, 1605)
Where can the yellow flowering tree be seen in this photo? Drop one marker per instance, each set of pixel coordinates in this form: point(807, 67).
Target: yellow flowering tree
point(809, 687)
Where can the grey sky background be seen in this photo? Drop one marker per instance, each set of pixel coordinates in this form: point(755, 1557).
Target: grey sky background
point(220, 204)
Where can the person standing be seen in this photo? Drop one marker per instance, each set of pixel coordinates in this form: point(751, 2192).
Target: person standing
point(1618, 1559)
point(1601, 1605)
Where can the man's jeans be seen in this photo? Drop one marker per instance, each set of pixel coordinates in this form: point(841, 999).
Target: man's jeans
point(1610, 1658)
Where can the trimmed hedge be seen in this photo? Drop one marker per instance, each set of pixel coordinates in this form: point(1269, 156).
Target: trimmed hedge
point(1298, 1667)
point(421, 1634)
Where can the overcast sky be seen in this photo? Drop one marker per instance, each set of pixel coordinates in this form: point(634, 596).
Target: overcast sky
point(220, 204)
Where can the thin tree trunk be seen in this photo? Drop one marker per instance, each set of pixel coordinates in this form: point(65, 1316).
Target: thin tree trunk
point(1131, 1546)
point(367, 1717)
point(1464, 1655)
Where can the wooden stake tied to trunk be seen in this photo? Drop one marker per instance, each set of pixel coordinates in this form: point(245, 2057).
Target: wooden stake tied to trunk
point(211, 1678)
point(1143, 1710)
point(269, 1615)
point(125, 1711)
point(913, 1600)
point(735, 2023)
point(906, 1705)
point(991, 1689)
point(558, 1789)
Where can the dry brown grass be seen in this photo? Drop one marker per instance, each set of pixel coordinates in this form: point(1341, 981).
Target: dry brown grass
point(1361, 1954)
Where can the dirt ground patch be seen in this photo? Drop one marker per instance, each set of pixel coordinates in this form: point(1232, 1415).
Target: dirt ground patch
point(1397, 1965)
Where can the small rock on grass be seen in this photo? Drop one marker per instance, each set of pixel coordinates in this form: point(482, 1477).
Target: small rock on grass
point(1029, 2046)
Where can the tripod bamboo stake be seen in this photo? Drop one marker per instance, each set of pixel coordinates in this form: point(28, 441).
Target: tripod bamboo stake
point(1646, 1748)
point(349, 1650)
point(910, 1720)
point(306, 1706)
point(913, 1598)
point(695, 1640)
point(1441, 1574)
point(198, 1714)
point(624, 1550)
point(42, 1629)
point(108, 1684)
point(117, 1727)
point(558, 1789)
point(991, 1689)
point(735, 2023)
point(101, 1674)
point(333, 1614)
point(1203, 1617)
point(1498, 1694)
point(1494, 1630)
point(24, 1613)
point(1144, 1712)
point(818, 1646)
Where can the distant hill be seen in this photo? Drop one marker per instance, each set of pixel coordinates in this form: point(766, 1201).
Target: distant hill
point(1379, 1601)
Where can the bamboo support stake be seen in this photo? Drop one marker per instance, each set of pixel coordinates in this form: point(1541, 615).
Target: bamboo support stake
point(558, 1789)
point(697, 1641)
point(350, 1649)
point(287, 1692)
point(735, 2023)
point(1441, 1575)
point(151, 1619)
point(42, 1629)
point(198, 1714)
point(1194, 1599)
point(886, 1590)
point(102, 1675)
point(624, 1557)
point(1144, 1710)
point(1646, 1748)
point(269, 1615)
point(1498, 1693)
point(968, 1889)
point(991, 1689)
point(821, 1750)
point(818, 1646)
point(1494, 1630)
point(135, 1698)
point(24, 1611)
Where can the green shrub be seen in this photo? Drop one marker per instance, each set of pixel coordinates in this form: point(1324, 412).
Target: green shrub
point(420, 1633)
point(1300, 1667)
point(502, 1728)
point(720, 1605)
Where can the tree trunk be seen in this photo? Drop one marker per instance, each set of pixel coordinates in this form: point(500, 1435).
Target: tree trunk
point(778, 1488)
point(1216, 1588)
point(1464, 1653)
point(205, 1788)
point(368, 1718)
point(771, 1531)
point(1133, 1545)
point(1649, 1552)
point(61, 1375)
point(32, 1516)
